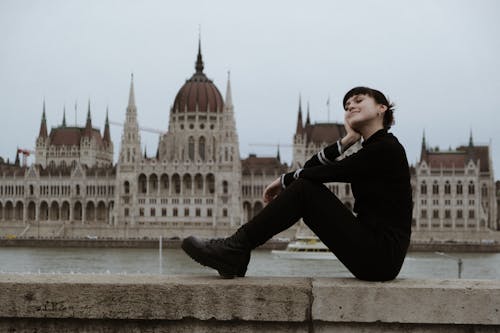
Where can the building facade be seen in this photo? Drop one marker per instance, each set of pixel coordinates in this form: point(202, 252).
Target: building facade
point(455, 189)
point(197, 179)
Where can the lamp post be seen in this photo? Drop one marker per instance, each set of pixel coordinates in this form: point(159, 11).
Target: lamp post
point(459, 262)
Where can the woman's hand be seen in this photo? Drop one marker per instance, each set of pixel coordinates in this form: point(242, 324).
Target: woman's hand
point(272, 190)
point(351, 136)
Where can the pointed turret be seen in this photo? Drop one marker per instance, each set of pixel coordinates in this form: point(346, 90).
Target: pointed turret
point(423, 151)
point(17, 162)
point(64, 117)
point(43, 125)
point(308, 119)
point(278, 157)
point(88, 124)
point(471, 142)
point(199, 60)
point(229, 97)
point(300, 126)
point(106, 136)
point(131, 95)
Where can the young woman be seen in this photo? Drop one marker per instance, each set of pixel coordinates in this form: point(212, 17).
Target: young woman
point(372, 242)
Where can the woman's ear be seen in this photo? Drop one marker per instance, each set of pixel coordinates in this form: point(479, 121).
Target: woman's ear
point(382, 108)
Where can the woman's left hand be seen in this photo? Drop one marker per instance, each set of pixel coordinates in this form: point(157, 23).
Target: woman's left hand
point(272, 190)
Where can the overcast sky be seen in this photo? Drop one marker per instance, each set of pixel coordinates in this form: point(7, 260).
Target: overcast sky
point(438, 60)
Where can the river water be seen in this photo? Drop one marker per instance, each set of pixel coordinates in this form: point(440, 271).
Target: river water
point(263, 263)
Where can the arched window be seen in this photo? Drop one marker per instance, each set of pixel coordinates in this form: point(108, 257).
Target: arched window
point(484, 190)
point(471, 188)
point(447, 188)
point(459, 187)
point(201, 148)
point(126, 187)
point(423, 188)
point(435, 188)
point(191, 148)
point(224, 187)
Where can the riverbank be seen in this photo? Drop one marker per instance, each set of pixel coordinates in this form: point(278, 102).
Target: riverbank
point(175, 243)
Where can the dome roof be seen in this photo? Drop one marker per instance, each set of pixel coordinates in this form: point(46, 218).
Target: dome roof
point(199, 93)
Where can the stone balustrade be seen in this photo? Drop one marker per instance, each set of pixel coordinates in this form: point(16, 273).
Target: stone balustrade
point(154, 303)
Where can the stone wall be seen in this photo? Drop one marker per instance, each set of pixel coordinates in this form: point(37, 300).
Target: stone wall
point(147, 303)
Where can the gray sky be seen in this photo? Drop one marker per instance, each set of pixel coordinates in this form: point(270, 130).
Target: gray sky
point(438, 60)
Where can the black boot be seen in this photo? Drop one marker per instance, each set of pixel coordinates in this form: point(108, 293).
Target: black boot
point(229, 256)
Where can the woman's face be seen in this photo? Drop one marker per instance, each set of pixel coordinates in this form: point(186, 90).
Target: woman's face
point(363, 110)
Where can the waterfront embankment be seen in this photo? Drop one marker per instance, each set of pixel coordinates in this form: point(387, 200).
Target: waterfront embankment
point(151, 243)
point(153, 303)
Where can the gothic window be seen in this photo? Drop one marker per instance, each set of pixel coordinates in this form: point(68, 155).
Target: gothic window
point(471, 187)
point(460, 214)
point(423, 214)
point(225, 154)
point(126, 212)
point(201, 148)
point(211, 183)
point(142, 184)
point(163, 212)
point(198, 212)
point(435, 188)
point(187, 182)
point(32, 191)
point(191, 148)
point(209, 212)
point(175, 212)
point(484, 191)
point(224, 187)
point(224, 212)
point(176, 180)
point(447, 188)
point(459, 187)
point(435, 214)
point(347, 189)
point(471, 214)
point(214, 149)
point(153, 212)
point(447, 214)
point(141, 211)
point(423, 188)
point(186, 211)
point(126, 187)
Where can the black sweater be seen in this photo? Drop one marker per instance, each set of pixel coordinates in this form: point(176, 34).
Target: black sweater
point(379, 177)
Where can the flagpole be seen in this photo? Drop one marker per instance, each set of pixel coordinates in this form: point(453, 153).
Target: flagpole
point(328, 107)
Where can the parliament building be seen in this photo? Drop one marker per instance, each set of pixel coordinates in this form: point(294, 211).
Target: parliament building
point(197, 182)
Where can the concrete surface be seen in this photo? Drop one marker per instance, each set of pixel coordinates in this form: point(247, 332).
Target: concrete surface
point(153, 303)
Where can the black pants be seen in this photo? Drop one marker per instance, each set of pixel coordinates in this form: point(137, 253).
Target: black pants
point(367, 252)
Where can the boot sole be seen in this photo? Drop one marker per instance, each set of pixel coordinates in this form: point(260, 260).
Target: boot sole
point(194, 253)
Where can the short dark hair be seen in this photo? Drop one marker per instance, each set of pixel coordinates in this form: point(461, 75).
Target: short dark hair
point(379, 97)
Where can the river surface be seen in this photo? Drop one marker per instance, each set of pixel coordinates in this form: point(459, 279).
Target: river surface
point(263, 263)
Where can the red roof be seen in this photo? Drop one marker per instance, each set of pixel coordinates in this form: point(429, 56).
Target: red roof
point(72, 136)
point(267, 165)
point(324, 132)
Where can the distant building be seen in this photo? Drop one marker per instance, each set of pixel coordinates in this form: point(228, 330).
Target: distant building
point(454, 189)
point(197, 181)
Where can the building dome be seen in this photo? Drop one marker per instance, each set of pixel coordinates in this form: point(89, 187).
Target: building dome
point(199, 93)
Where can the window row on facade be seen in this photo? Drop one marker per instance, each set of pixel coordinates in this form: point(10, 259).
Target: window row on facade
point(55, 211)
point(447, 214)
point(447, 188)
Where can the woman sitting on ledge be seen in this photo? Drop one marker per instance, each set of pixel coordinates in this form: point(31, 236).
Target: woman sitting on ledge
point(371, 243)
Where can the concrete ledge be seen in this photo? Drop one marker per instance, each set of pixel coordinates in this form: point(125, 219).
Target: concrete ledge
point(140, 303)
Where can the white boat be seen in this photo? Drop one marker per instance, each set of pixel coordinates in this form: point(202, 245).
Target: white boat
point(305, 248)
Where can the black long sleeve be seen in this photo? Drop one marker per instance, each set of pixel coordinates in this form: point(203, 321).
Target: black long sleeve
point(379, 177)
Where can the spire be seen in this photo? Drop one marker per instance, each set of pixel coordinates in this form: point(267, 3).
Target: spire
point(106, 136)
point(199, 60)
point(43, 125)
point(17, 162)
point(131, 95)
point(145, 152)
point(308, 119)
point(300, 126)
point(278, 157)
point(88, 124)
point(229, 97)
point(64, 117)
point(423, 150)
point(471, 142)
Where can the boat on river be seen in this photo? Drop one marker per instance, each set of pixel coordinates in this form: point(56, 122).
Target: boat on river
point(305, 248)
